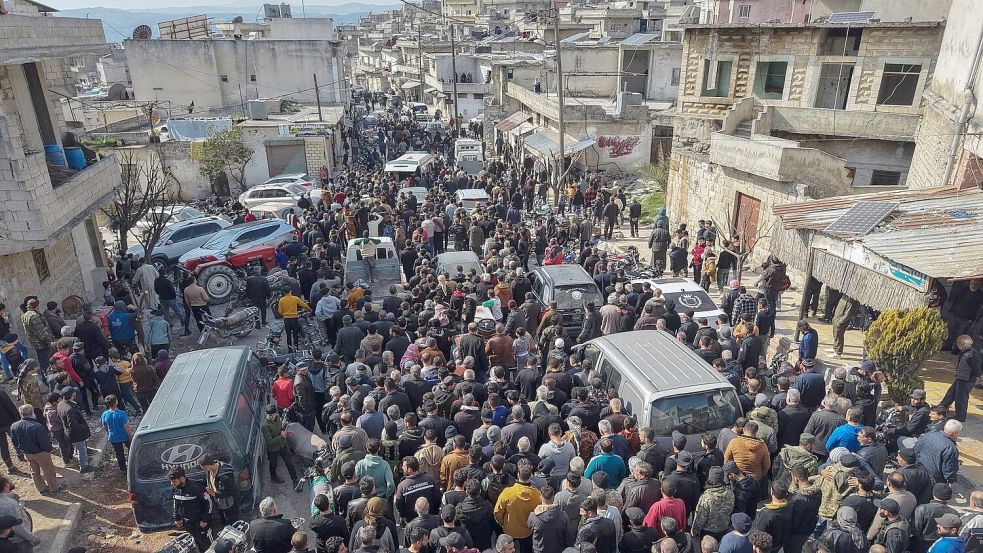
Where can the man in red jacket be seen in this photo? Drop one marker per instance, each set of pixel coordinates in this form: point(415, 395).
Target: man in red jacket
point(283, 389)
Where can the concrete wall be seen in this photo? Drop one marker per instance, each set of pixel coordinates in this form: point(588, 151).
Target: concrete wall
point(27, 35)
point(786, 11)
point(867, 155)
point(281, 68)
point(886, 10)
point(662, 63)
point(581, 62)
point(302, 28)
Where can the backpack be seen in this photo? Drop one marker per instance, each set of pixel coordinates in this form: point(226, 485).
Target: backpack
point(13, 355)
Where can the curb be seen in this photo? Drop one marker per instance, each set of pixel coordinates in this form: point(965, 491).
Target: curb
point(60, 543)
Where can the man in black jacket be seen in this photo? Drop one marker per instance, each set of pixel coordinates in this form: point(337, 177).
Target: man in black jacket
point(76, 428)
point(222, 486)
point(918, 480)
point(272, 533)
point(596, 529)
point(639, 538)
point(169, 303)
point(8, 416)
point(413, 486)
point(304, 396)
point(775, 517)
point(192, 509)
point(89, 332)
point(548, 523)
point(31, 438)
point(471, 345)
point(258, 293)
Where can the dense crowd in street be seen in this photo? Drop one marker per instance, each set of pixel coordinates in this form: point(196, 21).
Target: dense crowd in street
point(448, 439)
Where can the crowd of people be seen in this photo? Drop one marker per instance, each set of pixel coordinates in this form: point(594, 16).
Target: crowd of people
point(447, 439)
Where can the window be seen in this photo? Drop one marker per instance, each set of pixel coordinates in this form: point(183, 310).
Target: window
point(695, 413)
point(898, 85)
point(744, 11)
point(182, 235)
point(769, 81)
point(252, 78)
point(225, 78)
point(674, 80)
point(841, 42)
point(41, 264)
point(674, 36)
point(716, 78)
point(885, 178)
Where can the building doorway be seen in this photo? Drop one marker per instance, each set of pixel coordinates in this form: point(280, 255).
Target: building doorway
point(746, 219)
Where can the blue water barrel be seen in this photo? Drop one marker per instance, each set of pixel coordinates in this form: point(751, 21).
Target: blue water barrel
point(75, 157)
point(55, 155)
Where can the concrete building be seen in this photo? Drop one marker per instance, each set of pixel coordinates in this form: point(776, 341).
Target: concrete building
point(617, 109)
point(772, 114)
point(807, 11)
point(948, 147)
point(113, 69)
point(49, 243)
point(227, 73)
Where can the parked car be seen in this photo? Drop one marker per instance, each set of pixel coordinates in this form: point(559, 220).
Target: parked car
point(271, 232)
point(174, 212)
point(271, 192)
point(570, 287)
point(179, 238)
point(686, 294)
point(300, 179)
point(276, 210)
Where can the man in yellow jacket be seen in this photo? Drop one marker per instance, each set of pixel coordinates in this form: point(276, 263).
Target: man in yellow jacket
point(514, 506)
point(289, 306)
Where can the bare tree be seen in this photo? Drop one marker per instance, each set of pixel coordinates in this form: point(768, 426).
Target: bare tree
point(132, 202)
point(749, 237)
point(157, 177)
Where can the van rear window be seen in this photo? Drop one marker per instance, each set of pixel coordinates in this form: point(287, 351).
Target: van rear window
point(155, 459)
point(695, 413)
point(575, 296)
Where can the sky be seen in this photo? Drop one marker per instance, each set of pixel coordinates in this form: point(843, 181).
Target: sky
point(138, 4)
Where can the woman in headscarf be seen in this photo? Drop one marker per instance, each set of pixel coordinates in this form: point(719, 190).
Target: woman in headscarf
point(385, 528)
point(844, 536)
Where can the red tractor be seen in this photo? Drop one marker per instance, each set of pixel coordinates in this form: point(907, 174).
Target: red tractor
point(223, 278)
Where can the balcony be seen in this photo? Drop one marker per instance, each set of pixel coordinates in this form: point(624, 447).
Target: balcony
point(780, 160)
point(851, 123)
point(462, 88)
point(54, 201)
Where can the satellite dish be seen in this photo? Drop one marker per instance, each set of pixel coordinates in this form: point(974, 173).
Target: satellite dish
point(143, 32)
point(117, 92)
point(237, 19)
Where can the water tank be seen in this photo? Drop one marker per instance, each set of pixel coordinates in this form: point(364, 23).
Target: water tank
point(257, 109)
point(626, 99)
point(285, 10)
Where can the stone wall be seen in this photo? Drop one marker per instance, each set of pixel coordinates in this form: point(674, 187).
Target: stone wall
point(932, 145)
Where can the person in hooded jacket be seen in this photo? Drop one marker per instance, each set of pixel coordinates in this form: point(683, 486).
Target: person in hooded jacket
point(844, 536)
point(475, 513)
point(548, 523)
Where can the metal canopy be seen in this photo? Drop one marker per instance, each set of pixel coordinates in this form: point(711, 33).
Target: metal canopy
point(579, 146)
point(850, 17)
point(862, 218)
point(410, 84)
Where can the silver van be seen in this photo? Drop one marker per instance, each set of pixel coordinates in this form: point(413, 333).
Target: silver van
point(664, 384)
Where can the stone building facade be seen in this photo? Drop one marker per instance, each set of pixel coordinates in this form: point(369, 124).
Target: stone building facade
point(772, 114)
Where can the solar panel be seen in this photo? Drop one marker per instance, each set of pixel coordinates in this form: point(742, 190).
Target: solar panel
point(862, 218)
point(850, 17)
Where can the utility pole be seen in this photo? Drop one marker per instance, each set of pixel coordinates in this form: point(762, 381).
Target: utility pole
point(419, 42)
point(317, 97)
point(559, 93)
point(454, 69)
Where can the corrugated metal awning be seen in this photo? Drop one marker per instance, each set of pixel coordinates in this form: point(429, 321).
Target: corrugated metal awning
point(947, 252)
point(866, 286)
point(512, 121)
point(639, 39)
point(410, 84)
point(541, 143)
point(522, 129)
point(579, 146)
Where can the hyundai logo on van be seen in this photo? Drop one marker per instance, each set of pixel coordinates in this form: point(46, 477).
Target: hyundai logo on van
point(181, 456)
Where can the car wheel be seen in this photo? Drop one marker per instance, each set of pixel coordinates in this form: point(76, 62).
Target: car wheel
point(220, 282)
point(160, 263)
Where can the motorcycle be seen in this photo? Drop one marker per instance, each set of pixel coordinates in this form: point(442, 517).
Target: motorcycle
point(315, 478)
point(235, 533)
point(236, 325)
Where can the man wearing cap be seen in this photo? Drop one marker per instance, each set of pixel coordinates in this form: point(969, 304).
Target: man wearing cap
point(688, 486)
point(714, 508)
point(192, 509)
point(889, 529)
point(792, 456)
point(811, 385)
point(276, 445)
point(917, 417)
point(918, 480)
point(38, 333)
point(76, 428)
point(737, 541)
point(639, 538)
point(15, 537)
point(950, 539)
point(222, 486)
point(924, 529)
point(455, 542)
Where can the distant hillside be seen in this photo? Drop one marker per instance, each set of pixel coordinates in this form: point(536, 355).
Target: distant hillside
point(119, 24)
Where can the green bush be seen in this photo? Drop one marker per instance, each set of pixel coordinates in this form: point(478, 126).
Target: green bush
point(899, 341)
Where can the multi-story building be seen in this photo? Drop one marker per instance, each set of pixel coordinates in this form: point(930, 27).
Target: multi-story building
point(774, 113)
point(227, 72)
point(49, 243)
point(807, 11)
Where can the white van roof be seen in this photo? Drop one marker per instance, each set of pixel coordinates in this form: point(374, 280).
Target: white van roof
point(659, 362)
point(472, 194)
point(407, 163)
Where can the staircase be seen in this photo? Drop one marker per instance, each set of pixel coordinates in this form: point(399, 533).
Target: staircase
point(743, 130)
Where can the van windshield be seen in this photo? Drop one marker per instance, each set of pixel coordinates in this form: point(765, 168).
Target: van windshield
point(695, 413)
point(155, 459)
point(576, 295)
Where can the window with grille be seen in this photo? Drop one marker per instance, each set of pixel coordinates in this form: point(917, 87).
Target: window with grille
point(41, 264)
point(744, 11)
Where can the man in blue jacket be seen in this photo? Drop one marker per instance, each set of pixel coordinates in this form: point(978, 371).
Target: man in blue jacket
point(845, 435)
point(809, 341)
point(121, 328)
point(811, 385)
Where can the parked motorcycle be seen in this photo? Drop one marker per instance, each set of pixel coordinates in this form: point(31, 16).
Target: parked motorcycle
point(236, 325)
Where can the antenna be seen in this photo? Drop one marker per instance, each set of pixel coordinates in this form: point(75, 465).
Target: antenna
point(143, 32)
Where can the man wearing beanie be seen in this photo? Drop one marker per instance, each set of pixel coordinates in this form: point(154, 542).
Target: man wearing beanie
point(714, 507)
point(737, 541)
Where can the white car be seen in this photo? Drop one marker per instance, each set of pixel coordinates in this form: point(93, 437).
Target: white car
point(180, 237)
point(271, 232)
point(271, 192)
point(300, 179)
point(174, 213)
point(686, 294)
